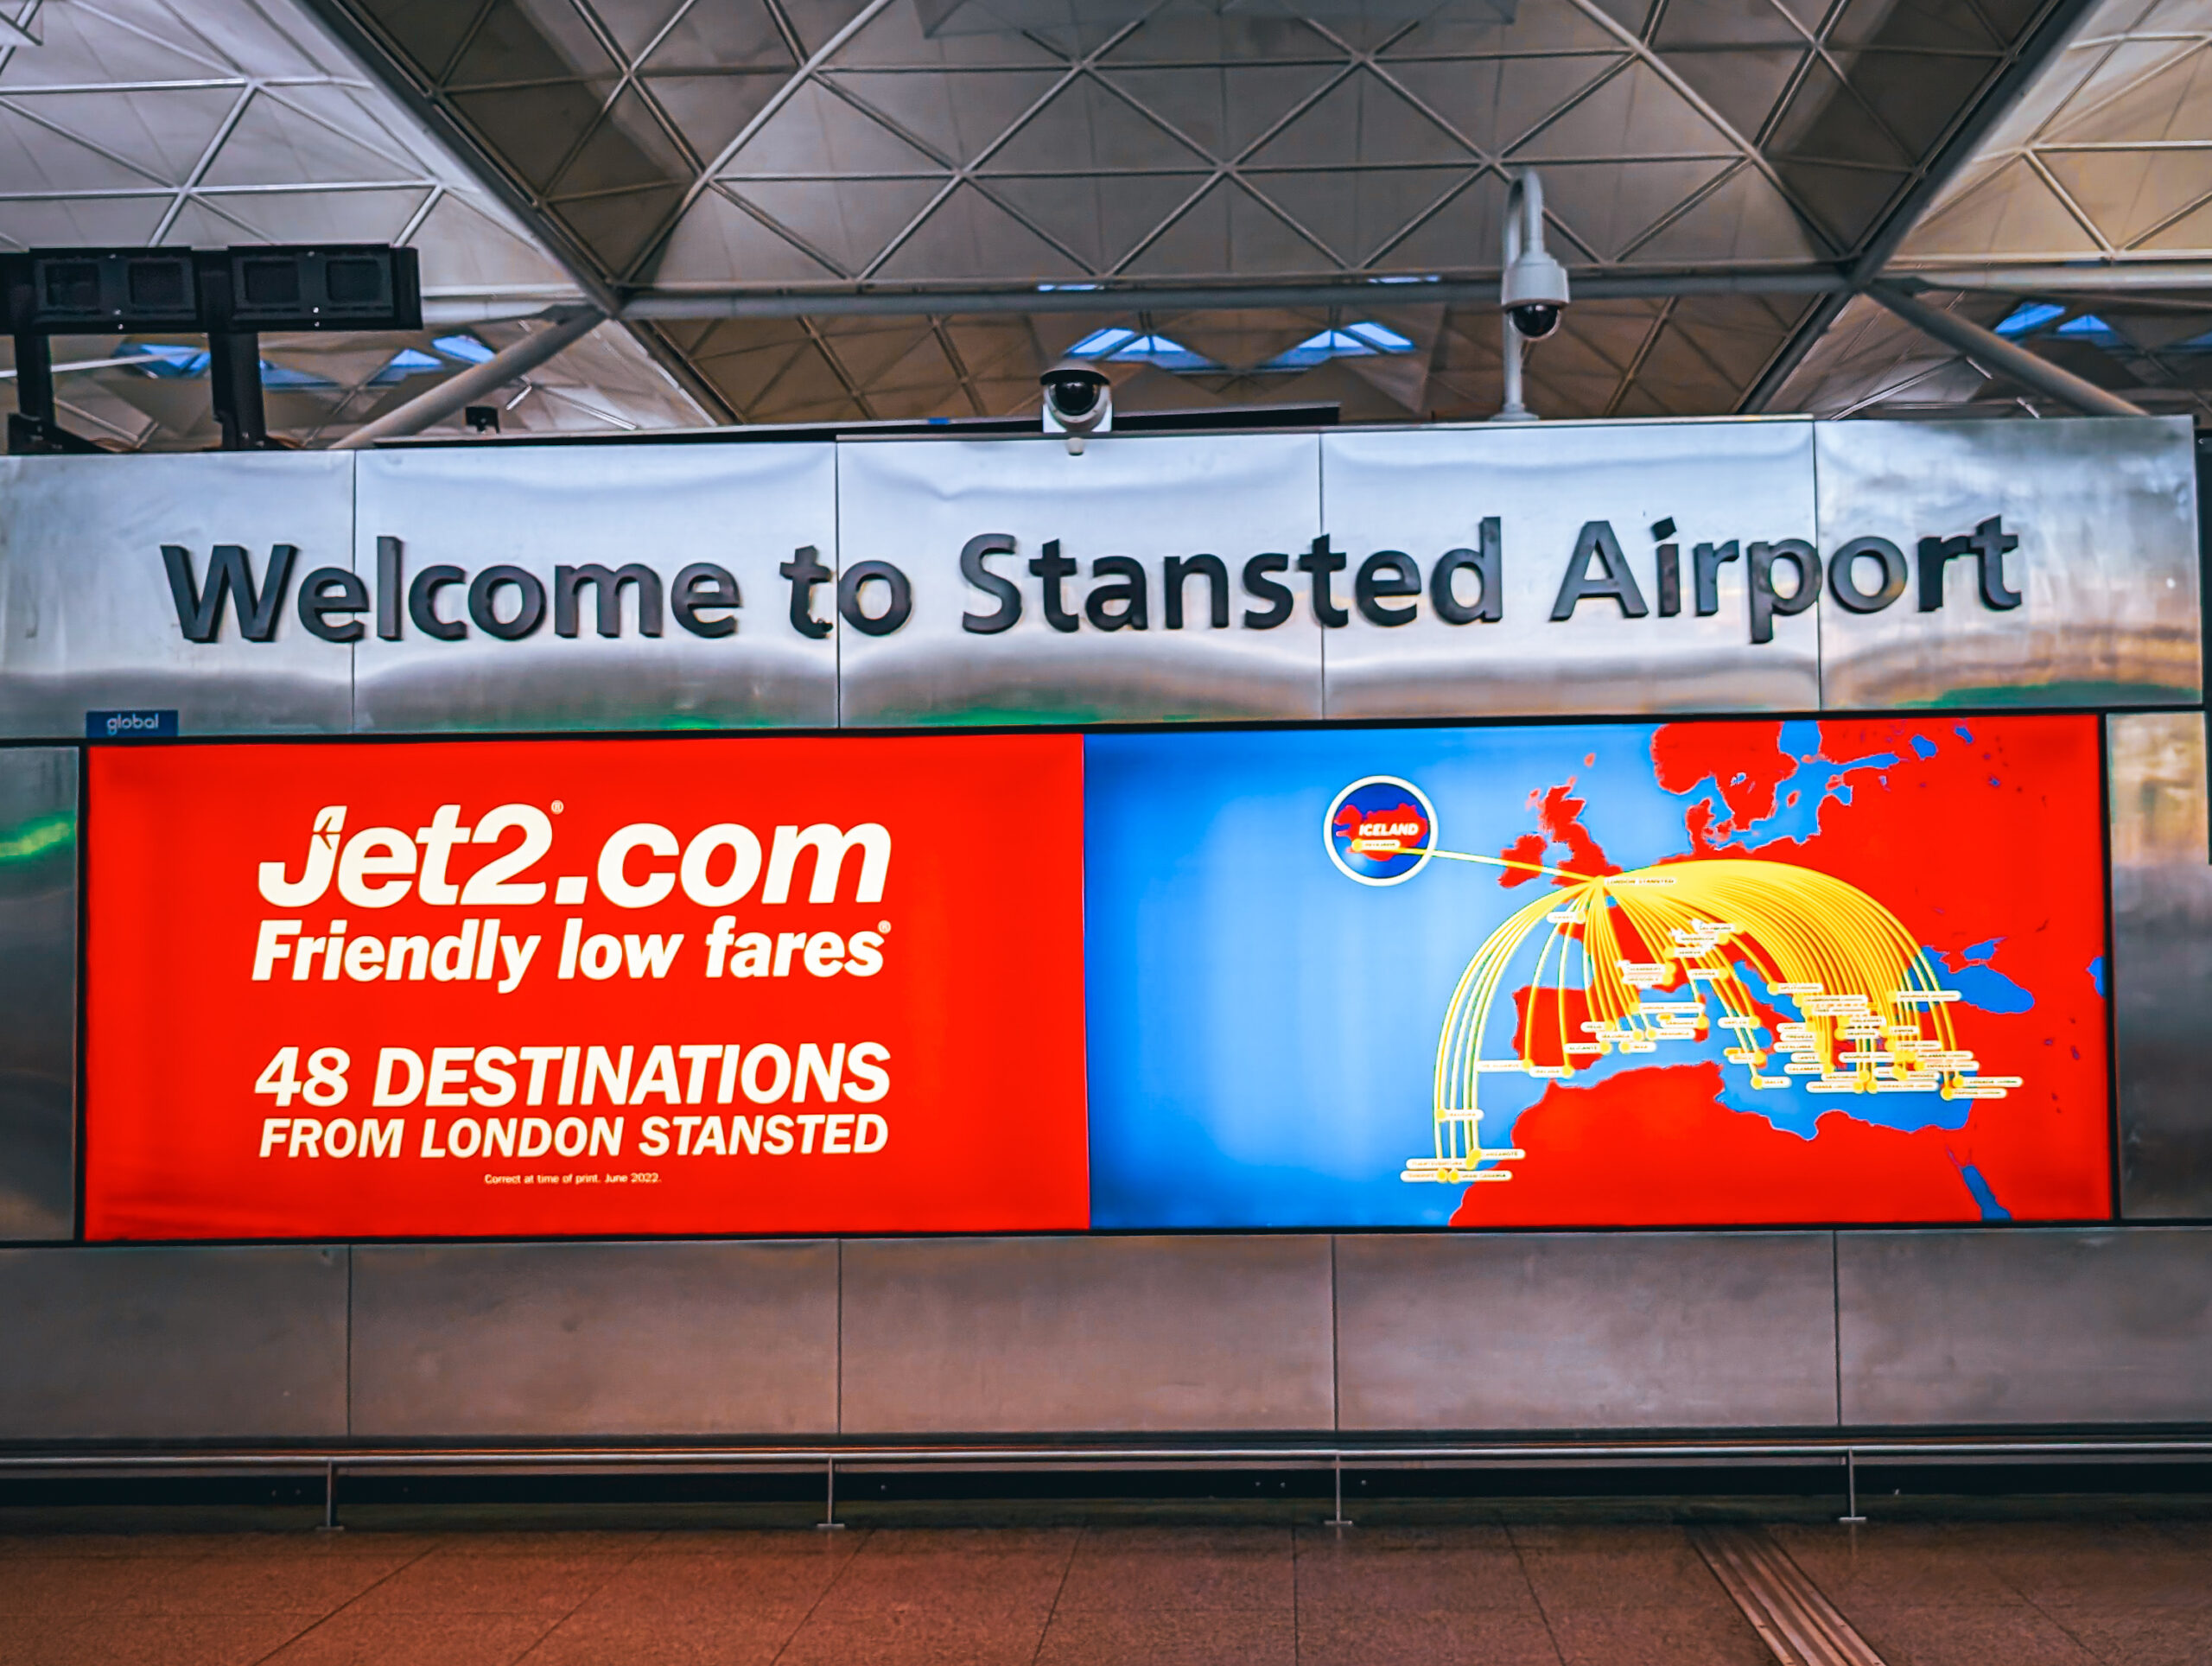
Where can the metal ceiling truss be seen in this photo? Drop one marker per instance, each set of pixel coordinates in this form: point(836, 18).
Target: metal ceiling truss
point(707, 171)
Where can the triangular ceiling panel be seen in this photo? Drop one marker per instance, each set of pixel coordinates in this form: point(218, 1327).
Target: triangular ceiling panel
point(1633, 113)
point(275, 144)
point(735, 34)
point(1606, 206)
point(521, 40)
point(2175, 103)
point(1744, 218)
point(1496, 103)
point(1224, 109)
point(1847, 202)
point(80, 46)
point(1464, 235)
point(634, 23)
point(710, 110)
point(59, 222)
point(959, 114)
point(716, 242)
point(1360, 121)
point(37, 159)
point(627, 148)
point(1357, 213)
point(1743, 87)
point(1687, 25)
point(1086, 128)
point(1229, 233)
point(2193, 230)
point(321, 216)
point(969, 237)
point(2012, 213)
point(462, 248)
point(620, 225)
point(533, 129)
point(2130, 193)
point(1102, 219)
point(816, 134)
point(164, 134)
point(848, 222)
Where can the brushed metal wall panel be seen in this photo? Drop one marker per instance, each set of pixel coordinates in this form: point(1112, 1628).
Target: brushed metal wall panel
point(916, 503)
point(745, 508)
point(1086, 1335)
point(38, 992)
point(2030, 1326)
point(186, 1344)
point(2161, 963)
point(1427, 491)
point(2106, 568)
point(546, 1339)
point(86, 618)
point(1587, 1330)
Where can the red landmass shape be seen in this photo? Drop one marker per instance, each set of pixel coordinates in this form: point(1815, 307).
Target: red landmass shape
point(1656, 1148)
point(1558, 813)
point(1746, 760)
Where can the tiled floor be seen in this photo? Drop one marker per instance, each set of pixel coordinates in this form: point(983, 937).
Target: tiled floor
point(2063, 1593)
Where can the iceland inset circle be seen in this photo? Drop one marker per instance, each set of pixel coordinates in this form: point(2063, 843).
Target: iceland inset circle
point(1380, 830)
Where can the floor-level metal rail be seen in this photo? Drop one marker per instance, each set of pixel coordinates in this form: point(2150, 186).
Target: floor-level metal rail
point(1845, 1454)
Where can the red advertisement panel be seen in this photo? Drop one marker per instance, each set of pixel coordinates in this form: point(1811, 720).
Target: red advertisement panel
point(582, 986)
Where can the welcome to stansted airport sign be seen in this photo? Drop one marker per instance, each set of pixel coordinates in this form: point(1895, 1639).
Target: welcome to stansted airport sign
point(1702, 566)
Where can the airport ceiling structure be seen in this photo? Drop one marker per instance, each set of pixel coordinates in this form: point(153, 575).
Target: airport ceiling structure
point(839, 211)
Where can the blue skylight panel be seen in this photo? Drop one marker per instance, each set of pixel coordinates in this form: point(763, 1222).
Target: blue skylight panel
point(2090, 327)
point(1380, 337)
point(2030, 315)
point(461, 347)
point(1163, 351)
point(1099, 343)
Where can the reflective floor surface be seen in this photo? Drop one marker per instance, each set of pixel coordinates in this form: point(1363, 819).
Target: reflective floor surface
point(2061, 1592)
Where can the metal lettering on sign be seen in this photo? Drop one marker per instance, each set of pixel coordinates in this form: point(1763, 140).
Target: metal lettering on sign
point(1704, 566)
point(629, 587)
point(1575, 568)
point(2049, 564)
point(1148, 579)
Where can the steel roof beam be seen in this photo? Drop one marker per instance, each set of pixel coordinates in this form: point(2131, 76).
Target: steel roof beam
point(1992, 351)
point(1231, 297)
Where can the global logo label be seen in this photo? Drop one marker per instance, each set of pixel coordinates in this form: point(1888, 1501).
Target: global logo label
point(1380, 830)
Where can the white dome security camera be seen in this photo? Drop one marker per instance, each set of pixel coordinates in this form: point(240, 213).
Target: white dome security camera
point(1078, 402)
point(1533, 292)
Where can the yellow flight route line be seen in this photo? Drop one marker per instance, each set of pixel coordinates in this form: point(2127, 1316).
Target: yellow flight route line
point(1874, 1016)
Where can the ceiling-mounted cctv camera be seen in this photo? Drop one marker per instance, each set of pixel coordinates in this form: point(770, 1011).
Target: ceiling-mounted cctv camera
point(1534, 293)
point(1078, 402)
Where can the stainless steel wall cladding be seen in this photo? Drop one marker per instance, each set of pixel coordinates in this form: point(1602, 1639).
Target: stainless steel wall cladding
point(1055, 645)
point(1646, 1329)
point(594, 1339)
point(38, 991)
point(2161, 963)
point(87, 617)
point(1583, 520)
point(197, 1343)
point(2025, 1327)
point(483, 624)
point(2105, 572)
point(1060, 1335)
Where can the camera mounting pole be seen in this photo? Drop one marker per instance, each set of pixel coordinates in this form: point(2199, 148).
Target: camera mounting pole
point(1532, 291)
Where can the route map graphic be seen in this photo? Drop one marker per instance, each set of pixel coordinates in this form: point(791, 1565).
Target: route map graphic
point(1690, 974)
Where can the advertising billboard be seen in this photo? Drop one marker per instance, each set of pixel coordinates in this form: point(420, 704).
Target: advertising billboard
point(542, 987)
point(1695, 973)
point(1705, 973)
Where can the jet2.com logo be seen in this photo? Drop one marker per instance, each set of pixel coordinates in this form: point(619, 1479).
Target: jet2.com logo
point(1380, 830)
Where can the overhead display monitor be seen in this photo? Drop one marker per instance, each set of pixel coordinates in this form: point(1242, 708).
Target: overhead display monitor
point(1699, 973)
point(528, 988)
